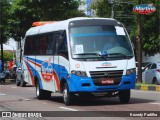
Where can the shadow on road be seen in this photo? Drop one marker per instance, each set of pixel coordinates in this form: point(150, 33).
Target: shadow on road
point(82, 101)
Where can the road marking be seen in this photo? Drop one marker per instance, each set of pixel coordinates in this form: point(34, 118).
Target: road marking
point(155, 103)
point(27, 99)
point(31, 89)
point(14, 87)
point(2, 94)
point(68, 108)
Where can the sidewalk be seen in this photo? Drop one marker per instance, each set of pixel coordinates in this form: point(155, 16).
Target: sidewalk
point(10, 80)
point(148, 87)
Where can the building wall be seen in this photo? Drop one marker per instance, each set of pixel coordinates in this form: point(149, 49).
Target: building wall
point(155, 58)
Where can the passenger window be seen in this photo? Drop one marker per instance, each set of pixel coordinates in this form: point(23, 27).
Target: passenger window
point(63, 50)
point(147, 67)
point(58, 40)
point(42, 45)
point(63, 44)
point(36, 45)
point(28, 46)
point(50, 44)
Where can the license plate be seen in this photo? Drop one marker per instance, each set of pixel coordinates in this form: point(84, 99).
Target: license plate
point(107, 81)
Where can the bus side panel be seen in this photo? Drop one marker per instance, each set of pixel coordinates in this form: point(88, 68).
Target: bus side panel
point(61, 66)
point(44, 71)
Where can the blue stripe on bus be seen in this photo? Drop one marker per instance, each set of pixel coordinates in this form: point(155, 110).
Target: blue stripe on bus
point(93, 34)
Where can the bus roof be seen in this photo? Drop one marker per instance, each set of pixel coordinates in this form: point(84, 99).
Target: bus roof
point(56, 26)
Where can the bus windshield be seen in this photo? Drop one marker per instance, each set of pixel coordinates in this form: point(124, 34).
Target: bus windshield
point(107, 41)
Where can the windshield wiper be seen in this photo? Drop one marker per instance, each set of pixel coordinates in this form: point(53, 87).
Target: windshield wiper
point(105, 56)
point(119, 55)
point(97, 54)
point(87, 54)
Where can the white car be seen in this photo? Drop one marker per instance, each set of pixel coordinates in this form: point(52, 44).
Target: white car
point(151, 73)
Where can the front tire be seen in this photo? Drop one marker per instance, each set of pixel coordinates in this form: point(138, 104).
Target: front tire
point(124, 96)
point(42, 94)
point(67, 96)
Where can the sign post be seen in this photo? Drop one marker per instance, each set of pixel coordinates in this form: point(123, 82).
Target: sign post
point(141, 9)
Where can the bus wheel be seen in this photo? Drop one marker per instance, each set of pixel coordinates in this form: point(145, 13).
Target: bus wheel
point(42, 94)
point(124, 96)
point(39, 92)
point(67, 96)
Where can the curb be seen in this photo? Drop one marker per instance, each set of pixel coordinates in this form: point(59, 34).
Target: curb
point(10, 80)
point(148, 88)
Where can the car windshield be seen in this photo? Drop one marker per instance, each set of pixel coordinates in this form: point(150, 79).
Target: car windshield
point(96, 41)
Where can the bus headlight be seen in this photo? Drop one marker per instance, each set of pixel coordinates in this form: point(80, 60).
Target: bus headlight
point(131, 71)
point(79, 73)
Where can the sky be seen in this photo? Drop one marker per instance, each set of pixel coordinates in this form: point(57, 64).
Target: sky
point(10, 45)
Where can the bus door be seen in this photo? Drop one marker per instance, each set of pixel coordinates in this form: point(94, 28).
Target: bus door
point(56, 66)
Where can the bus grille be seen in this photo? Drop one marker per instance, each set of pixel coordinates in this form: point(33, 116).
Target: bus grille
point(102, 78)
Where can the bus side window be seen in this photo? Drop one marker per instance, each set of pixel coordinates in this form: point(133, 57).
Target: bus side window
point(42, 45)
point(28, 46)
point(51, 43)
point(63, 50)
point(36, 45)
point(58, 41)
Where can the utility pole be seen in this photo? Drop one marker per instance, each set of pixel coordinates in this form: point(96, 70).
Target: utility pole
point(1, 37)
point(139, 41)
point(112, 2)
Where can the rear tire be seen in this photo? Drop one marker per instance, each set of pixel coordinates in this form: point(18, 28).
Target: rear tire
point(124, 96)
point(3, 80)
point(67, 96)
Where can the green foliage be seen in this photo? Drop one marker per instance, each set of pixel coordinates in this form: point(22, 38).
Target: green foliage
point(7, 56)
point(150, 30)
point(4, 11)
point(22, 13)
point(102, 8)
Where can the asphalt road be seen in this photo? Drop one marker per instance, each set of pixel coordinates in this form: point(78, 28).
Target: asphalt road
point(13, 98)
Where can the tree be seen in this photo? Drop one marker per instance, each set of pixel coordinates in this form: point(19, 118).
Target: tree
point(102, 8)
point(123, 13)
point(24, 12)
point(150, 30)
point(4, 11)
point(7, 56)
